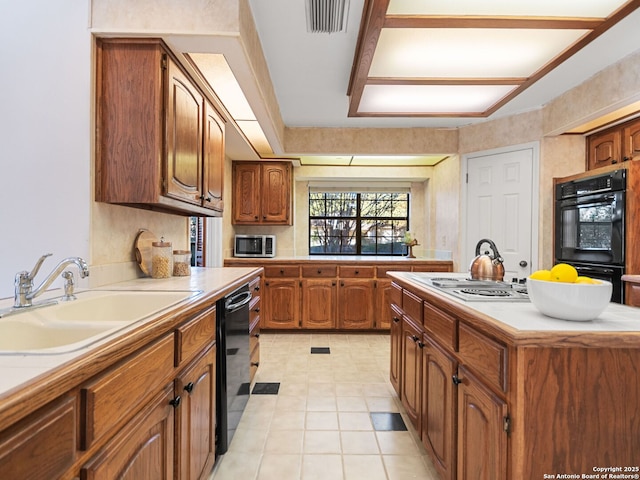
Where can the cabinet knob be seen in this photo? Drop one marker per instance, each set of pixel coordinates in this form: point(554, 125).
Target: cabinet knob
point(396, 319)
point(456, 380)
point(415, 338)
point(420, 344)
point(188, 387)
point(319, 271)
point(255, 364)
point(357, 272)
point(282, 271)
point(626, 159)
point(257, 309)
point(208, 199)
point(175, 403)
point(257, 335)
point(257, 289)
point(256, 217)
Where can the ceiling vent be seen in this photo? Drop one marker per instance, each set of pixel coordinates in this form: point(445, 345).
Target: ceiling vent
point(327, 16)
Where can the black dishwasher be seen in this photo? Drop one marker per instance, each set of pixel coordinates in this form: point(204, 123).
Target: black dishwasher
point(232, 384)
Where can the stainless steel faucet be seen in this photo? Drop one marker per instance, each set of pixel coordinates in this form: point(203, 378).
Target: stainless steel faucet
point(24, 292)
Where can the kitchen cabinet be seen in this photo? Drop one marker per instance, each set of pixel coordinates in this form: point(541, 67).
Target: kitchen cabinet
point(395, 354)
point(411, 369)
point(262, 193)
point(331, 295)
point(21, 447)
point(255, 308)
point(160, 142)
point(614, 145)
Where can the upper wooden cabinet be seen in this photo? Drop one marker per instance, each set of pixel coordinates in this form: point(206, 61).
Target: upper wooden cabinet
point(614, 145)
point(262, 193)
point(160, 143)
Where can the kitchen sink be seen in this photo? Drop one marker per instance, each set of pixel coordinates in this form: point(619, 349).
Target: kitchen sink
point(69, 326)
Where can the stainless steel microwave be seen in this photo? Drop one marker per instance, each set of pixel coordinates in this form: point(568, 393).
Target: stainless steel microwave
point(254, 246)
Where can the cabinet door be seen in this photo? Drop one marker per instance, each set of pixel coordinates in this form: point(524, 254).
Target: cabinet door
point(213, 167)
point(355, 304)
point(482, 440)
point(631, 141)
point(381, 314)
point(319, 303)
point(142, 450)
point(246, 192)
point(184, 138)
point(604, 149)
point(282, 302)
point(196, 386)
point(395, 373)
point(439, 407)
point(276, 193)
point(411, 371)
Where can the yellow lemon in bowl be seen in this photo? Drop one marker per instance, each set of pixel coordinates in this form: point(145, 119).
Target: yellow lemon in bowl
point(582, 279)
point(563, 272)
point(541, 275)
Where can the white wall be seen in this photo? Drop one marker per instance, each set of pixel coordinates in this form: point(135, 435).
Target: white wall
point(45, 90)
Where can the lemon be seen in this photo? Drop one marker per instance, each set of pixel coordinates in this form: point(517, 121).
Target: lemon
point(588, 280)
point(541, 275)
point(564, 273)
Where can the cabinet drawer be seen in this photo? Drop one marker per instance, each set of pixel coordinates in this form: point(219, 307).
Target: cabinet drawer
point(395, 294)
point(381, 272)
point(484, 356)
point(254, 310)
point(194, 335)
point(314, 271)
point(412, 306)
point(432, 268)
point(276, 271)
point(254, 362)
point(441, 326)
point(357, 272)
point(41, 446)
point(254, 335)
point(117, 394)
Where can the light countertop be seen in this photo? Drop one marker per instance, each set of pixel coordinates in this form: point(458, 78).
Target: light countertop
point(208, 284)
point(522, 319)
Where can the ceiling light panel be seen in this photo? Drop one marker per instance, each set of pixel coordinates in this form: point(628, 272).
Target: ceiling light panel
point(544, 8)
point(467, 53)
point(435, 99)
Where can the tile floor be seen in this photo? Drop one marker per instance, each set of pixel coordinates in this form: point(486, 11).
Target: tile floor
point(319, 426)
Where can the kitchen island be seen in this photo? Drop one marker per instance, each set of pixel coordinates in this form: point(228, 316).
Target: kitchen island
point(496, 390)
point(141, 399)
point(331, 292)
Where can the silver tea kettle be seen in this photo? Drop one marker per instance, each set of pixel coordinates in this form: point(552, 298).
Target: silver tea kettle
point(485, 266)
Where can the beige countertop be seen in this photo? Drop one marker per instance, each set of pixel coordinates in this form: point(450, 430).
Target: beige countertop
point(19, 371)
point(338, 258)
point(522, 322)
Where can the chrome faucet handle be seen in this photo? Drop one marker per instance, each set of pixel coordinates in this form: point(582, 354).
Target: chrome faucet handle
point(69, 285)
point(37, 266)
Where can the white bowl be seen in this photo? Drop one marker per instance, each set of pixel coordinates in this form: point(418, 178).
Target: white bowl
point(569, 301)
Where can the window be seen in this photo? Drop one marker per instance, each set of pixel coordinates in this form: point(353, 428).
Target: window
point(352, 223)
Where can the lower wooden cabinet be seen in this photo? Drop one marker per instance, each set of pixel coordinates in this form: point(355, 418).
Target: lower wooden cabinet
point(142, 451)
point(355, 304)
point(196, 417)
point(41, 446)
point(319, 301)
point(411, 383)
point(482, 436)
point(396, 348)
point(282, 303)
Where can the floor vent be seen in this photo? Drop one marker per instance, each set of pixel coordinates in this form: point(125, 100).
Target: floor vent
point(321, 350)
point(327, 16)
point(266, 388)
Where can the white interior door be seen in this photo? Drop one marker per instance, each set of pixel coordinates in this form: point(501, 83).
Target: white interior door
point(499, 207)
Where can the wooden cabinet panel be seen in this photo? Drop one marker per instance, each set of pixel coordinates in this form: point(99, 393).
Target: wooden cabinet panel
point(319, 298)
point(282, 303)
point(412, 306)
point(311, 271)
point(193, 336)
point(395, 375)
point(439, 407)
point(441, 326)
point(144, 450)
point(604, 149)
point(196, 417)
point(185, 113)
point(631, 140)
point(411, 371)
point(355, 304)
point(213, 164)
point(396, 294)
point(281, 271)
point(111, 398)
point(262, 193)
point(485, 356)
point(381, 313)
point(350, 271)
point(482, 440)
point(41, 446)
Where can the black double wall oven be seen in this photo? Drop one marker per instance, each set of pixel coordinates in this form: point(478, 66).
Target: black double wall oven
point(590, 227)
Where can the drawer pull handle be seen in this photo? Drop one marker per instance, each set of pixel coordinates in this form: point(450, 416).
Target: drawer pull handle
point(255, 364)
point(282, 271)
point(188, 387)
point(319, 272)
point(175, 403)
point(357, 272)
point(456, 380)
point(396, 319)
point(257, 335)
point(257, 289)
point(257, 310)
point(421, 345)
point(415, 338)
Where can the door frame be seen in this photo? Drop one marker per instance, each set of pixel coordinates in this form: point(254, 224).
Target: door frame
point(468, 247)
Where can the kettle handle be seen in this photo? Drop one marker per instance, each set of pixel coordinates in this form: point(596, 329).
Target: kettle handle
point(496, 254)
